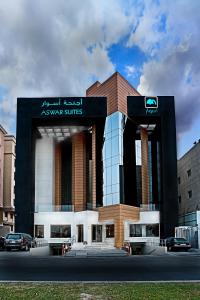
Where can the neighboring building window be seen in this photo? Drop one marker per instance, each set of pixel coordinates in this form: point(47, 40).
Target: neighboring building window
point(60, 231)
point(110, 231)
point(189, 172)
point(179, 199)
point(190, 194)
point(179, 180)
point(6, 214)
point(152, 230)
point(135, 230)
point(39, 231)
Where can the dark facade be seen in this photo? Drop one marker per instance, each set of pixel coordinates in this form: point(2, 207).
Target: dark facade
point(32, 113)
point(84, 160)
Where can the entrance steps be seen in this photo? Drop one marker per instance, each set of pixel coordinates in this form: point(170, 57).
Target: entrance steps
point(94, 250)
point(96, 253)
point(98, 246)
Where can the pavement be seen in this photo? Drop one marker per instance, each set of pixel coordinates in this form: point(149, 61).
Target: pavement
point(173, 266)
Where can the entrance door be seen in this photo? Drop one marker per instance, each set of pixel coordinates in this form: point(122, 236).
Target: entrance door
point(80, 233)
point(97, 233)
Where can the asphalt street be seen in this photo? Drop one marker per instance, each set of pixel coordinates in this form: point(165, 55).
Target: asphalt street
point(20, 266)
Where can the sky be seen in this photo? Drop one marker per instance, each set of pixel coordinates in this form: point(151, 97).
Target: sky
point(59, 48)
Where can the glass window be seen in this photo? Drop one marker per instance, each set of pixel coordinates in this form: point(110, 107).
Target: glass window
point(152, 230)
point(110, 231)
point(115, 198)
point(108, 149)
point(39, 231)
point(189, 172)
point(115, 188)
point(60, 231)
point(190, 194)
point(108, 176)
point(135, 230)
point(115, 160)
point(115, 121)
point(115, 146)
point(115, 174)
point(109, 199)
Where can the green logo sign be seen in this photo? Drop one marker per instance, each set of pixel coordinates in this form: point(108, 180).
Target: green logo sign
point(151, 105)
point(62, 107)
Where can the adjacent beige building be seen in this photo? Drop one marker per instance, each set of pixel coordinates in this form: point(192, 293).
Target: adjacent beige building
point(7, 181)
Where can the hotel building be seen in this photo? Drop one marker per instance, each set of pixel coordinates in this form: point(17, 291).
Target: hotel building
point(97, 169)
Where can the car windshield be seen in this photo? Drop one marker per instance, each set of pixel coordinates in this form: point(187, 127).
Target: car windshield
point(180, 240)
point(13, 236)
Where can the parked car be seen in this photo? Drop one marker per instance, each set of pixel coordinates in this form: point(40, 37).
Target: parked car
point(2, 242)
point(174, 243)
point(20, 241)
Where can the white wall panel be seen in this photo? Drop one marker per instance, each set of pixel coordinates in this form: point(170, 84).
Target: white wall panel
point(44, 173)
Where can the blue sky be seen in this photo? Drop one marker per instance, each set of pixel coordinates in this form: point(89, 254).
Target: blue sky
point(59, 48)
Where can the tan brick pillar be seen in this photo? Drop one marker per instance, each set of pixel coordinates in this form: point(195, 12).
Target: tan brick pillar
point(94, 166)
point(144, 160)
point(119, 232)
point(78, 172)
point(58, 174)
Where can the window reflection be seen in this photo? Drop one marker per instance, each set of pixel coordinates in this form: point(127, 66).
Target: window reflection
point(112, 158)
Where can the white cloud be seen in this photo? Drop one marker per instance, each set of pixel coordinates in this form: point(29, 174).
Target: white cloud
point(50, 48)
point(175, 66)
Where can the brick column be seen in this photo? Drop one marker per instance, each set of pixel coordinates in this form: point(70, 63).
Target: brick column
point(78, 172)
point(58, 174)
point(144, 158)
point(94, 166)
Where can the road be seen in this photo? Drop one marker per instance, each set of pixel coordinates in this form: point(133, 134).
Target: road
point(19, 266)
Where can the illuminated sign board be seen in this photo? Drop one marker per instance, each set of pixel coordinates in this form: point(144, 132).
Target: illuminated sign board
point(151, 104)
point(62, 107)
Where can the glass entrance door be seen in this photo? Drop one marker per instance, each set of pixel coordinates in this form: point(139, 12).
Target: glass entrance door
point(97, 233)
point(80, 233)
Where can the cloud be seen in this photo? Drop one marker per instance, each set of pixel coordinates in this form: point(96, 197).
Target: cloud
point(56, 48)
point(173, 66)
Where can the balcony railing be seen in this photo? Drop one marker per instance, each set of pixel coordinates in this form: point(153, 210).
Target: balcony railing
point(54, 208)
point(148, 207)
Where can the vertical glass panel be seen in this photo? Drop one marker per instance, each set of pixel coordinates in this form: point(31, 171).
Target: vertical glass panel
point(115, 121)
point(115, 198)
point(115, 188)
point(109, 179)
point(108, 149)
point(115, 174)
point(115, 146)
point(115, 160)
point(109, 199)
point(109, 189)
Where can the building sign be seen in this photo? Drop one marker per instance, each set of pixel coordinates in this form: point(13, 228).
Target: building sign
point(151, 105)
point(62, 107)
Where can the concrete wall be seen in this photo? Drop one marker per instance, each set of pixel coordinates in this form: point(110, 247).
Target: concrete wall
point(87, 218)
point(44, 173)
point(190, 161)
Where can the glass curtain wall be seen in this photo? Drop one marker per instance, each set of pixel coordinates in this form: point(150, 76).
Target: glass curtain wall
point(112, 158)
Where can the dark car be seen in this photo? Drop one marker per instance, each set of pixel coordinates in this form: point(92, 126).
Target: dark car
point(2, 242)
point(174, 243)
point(19, 241)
